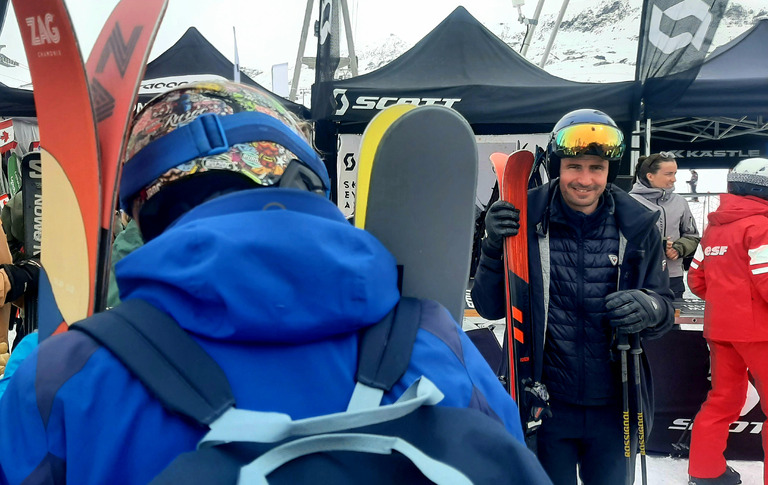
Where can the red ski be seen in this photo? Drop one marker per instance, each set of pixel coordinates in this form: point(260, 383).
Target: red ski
point(115, 69)
point(513, 172)
point(69, 154)
point(80, 187)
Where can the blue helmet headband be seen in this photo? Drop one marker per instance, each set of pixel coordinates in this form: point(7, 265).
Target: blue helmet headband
point(209, 135)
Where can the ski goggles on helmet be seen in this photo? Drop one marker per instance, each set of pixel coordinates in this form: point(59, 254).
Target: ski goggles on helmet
point(600, 140)
point(213, 142)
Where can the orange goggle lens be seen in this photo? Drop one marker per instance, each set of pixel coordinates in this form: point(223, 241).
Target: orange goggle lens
point(589, 139)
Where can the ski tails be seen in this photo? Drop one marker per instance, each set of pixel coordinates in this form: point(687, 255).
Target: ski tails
point(513, 172)
point(115, 69)
point(69, 154)
point(421, 202)
point(370, 143)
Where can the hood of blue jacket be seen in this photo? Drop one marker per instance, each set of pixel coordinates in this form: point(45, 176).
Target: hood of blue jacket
point(264, 265)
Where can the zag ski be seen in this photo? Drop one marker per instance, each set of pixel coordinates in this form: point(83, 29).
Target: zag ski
point(69, 157)
point(421, 201)
point(513, 172)
point(126, 40)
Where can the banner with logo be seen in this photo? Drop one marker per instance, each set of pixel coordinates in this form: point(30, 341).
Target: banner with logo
point(349, 151)
point(675, 35)
point(328, 56)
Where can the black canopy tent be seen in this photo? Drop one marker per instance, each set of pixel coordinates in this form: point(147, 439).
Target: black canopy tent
point(717, 118)
point(192, 58)
point(16, 102)
point(462, 64)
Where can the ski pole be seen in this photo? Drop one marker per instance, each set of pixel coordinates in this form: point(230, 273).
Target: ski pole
point(636, 351)
point(623, 346)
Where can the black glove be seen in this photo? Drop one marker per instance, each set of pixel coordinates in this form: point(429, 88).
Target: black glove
point(632, 311)
point(23, 277)
point(536, 399)
point(502, 220)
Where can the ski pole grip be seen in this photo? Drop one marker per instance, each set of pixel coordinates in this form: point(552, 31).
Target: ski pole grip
point(635, 343)
point(622, 341)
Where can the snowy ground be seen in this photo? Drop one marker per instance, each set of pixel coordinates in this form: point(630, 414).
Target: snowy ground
point(674, 471)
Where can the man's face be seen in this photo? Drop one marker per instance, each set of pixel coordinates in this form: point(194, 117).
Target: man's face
point(582, 182)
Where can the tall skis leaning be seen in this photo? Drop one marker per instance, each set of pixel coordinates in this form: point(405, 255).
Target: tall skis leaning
point(513, 172)
point(82, 149)
point(71, 202)
point(115, 69)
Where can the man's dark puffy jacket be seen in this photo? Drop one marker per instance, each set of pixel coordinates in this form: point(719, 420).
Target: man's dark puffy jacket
point(639, 266)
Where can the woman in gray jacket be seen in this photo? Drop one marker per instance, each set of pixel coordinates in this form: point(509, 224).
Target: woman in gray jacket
point(654, 187)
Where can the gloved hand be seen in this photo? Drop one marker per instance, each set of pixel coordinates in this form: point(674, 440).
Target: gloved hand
point(4, 356)
point(632, 311)
point(502, 220)
point(536, 399)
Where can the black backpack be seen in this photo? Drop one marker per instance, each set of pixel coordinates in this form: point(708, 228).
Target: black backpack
point(434, 444)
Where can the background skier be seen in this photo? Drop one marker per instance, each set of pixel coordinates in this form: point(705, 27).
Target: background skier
point(730, 272)
point(276, 297)
point(596, 266)
point(654, 187)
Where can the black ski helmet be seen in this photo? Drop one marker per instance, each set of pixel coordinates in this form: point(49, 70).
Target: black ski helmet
point(749, 177)
point(604, 139)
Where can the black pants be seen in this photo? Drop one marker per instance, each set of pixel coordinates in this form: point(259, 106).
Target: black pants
point(590, 436)
point(677, 286)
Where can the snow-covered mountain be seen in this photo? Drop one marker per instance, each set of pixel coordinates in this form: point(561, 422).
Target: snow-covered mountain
point(597, 41)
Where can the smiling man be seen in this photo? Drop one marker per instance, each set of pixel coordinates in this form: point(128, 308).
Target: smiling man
point(596, 269)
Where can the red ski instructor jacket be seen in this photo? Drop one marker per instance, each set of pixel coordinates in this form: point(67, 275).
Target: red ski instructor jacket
point(730, 270)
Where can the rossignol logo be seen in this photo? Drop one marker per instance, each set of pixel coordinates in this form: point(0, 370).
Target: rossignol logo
point(43, 30)
point(614, 259)
point(627, 448)
point(679, 11)
point(380, 102)
point(715, 250)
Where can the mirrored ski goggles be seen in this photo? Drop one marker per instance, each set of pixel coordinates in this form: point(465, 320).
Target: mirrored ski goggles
point(589, 139)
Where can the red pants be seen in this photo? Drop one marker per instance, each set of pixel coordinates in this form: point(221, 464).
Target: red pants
point(730, 361)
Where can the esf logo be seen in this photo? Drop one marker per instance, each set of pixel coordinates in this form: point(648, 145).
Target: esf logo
point(380, 102)
point(715, 250)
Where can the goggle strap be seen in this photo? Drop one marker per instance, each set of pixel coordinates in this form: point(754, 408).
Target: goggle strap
point(210, 134)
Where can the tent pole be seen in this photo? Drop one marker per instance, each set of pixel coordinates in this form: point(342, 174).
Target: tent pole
point(300, 54)
point(647, 136)
point(350, 42)
point(532, 23)
point(553, 34)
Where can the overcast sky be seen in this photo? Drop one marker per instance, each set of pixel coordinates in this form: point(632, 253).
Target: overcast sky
point(268, 31)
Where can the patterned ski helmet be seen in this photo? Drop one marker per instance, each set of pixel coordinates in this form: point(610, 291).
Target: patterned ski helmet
point(216, 126)
point(749, 177)
point(586, 132)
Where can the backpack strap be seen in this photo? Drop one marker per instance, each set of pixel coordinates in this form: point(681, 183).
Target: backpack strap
point(187, 381)
point(385, 353)
point(164, 357)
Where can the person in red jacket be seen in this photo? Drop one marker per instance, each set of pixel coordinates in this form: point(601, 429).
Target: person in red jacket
point(730, 272)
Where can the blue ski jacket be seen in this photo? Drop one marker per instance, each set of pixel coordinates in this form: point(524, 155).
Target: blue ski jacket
point(276, 296)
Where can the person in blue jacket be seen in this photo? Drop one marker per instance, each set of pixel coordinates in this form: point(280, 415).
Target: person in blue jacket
point(596, 268)
point(276, 297)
